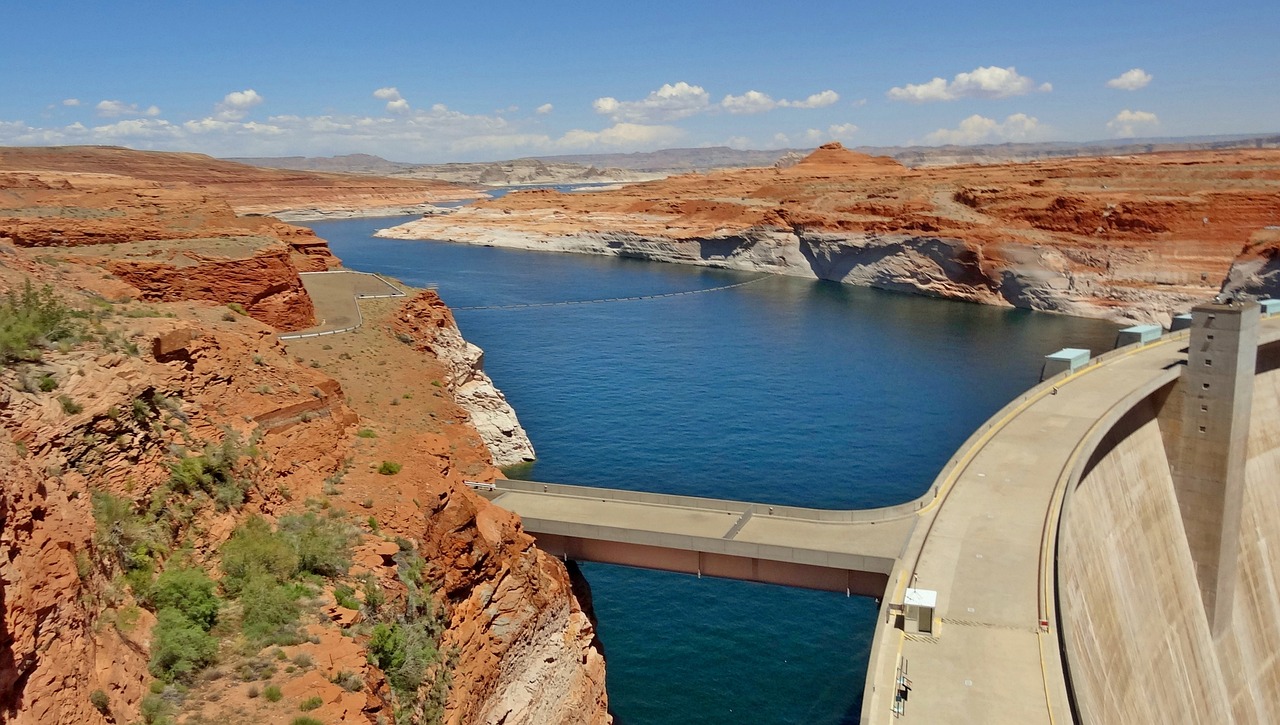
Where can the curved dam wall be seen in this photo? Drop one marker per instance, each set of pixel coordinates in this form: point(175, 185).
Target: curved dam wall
point(1138, 644)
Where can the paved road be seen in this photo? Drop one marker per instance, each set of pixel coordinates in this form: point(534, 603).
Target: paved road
point(335, 294)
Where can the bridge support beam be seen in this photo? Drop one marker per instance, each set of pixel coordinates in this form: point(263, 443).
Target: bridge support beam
point(723, 566)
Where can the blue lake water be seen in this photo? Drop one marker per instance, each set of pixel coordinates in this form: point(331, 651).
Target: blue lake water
point(780, 391)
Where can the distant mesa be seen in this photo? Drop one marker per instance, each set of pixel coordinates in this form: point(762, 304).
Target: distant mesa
point(834, 157)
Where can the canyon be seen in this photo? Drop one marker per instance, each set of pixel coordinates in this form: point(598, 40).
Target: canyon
point(169, 300)
point(1129, 238)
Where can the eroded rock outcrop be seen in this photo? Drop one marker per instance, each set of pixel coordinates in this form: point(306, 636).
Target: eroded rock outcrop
point(145, 380)
point(428, 325)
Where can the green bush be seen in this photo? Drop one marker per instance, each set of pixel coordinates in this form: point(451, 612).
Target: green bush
point(345, 596)
point(270, 611)
point(179, 646)
point(99, 700)
point(215, 471)
point(155, 710)
point(190, 592)
point(272, 693)
point(367, 433)
point(29, 321)
point(404, 652)
point(323, 545)
point(69, 406)
point(47, 383)
point(389, 468)
point(303, 720)
point(124, 536)
point(255, 549)
point(310, 704)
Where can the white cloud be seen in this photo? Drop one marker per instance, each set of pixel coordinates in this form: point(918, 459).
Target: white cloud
point(1128, 123)
point(1130, 80)
point(621, 135)
point(71, 101)
point(980, 129)
point(668, 103)
point(749, 102)
point(757, 102)
point(817, 100)
point(396, 103)
point(834, 132)
point(544, 109)
point(116, 109)
point(984, 82)
point(236, 105)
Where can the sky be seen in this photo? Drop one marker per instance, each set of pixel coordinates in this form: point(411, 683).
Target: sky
point(437, 82)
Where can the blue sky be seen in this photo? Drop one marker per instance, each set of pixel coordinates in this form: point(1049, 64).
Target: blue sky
point(479, 81)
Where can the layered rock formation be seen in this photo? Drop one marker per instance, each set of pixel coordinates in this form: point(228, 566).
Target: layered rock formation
point(160, 365)
point(1125, 238)
point(428, 323)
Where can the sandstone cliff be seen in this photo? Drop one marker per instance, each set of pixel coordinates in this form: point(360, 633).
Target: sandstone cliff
point(154, 367)
point(429, 326)
point(1127, 238)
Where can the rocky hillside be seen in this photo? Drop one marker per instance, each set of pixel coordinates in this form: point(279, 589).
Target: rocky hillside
point(1134, 238)
point(200, 523)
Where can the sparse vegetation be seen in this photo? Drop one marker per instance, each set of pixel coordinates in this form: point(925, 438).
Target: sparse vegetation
point(345, 596)
point(69, 406)
point(311, 703)
point(272, 693)
point(367, 433)
point(260, 565)
point(47, 383)
point(99, 700)
point(29, 321)
point(389, 468)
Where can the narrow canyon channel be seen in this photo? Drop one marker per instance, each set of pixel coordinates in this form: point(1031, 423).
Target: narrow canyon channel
point(779, 391)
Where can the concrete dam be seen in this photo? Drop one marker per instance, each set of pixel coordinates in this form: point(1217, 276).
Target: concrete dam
point(1102, 550)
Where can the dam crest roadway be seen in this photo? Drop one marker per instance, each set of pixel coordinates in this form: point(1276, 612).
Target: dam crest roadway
point(969, 627)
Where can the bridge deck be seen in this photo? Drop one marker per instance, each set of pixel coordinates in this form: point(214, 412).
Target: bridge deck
point(626, 527)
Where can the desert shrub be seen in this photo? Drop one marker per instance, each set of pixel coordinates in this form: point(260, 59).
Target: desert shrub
point(323, 545)
point(255, 549)
point(349, 681)
point(389, 468)
point(155, 710)
point(310, 703)
point(121, 533)
point(253, 691)
point(303, 720)
point(404, 651)
point(69, 406)
point(272, 693)
point(189, 591)
point(270, 611)
point(344, 596)
point(47, 383)
point(367, 433)
point(179, 646)
point(215, 471)
point(29, 321)
point(99, 700)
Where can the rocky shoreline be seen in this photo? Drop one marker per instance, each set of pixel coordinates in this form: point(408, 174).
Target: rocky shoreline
point(1132, 239)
